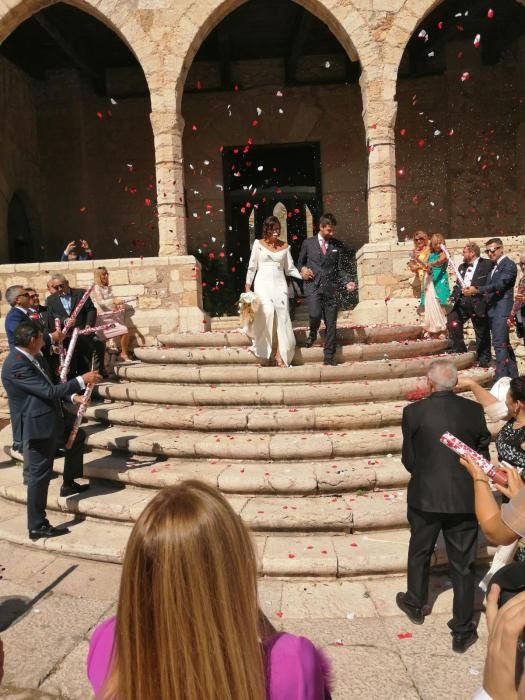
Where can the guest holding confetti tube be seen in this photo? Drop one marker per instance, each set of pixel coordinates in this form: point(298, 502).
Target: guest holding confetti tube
point(71, 308)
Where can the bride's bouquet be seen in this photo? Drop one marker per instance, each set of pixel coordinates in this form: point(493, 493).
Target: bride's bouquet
point(248, 305)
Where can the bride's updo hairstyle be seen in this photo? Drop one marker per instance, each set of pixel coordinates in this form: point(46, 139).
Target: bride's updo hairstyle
point(269, 224)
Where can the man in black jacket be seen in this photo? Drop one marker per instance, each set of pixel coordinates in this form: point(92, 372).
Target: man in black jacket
point(441, 497)
point(38, 421)
point(475, 271)
point(321, 265)
point(60, 305)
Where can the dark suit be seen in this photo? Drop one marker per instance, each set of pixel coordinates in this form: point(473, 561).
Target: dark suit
point(499, 297)
point(38, 424)
point(87, 345)
point(473, 308)
point(441, 496)
point(322, 291)
point(14, 316)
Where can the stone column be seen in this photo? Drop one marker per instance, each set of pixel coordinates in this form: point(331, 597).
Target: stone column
point(379, 115)
point(168, 128)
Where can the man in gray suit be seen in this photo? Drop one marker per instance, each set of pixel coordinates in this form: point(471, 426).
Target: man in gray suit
point(321, 265)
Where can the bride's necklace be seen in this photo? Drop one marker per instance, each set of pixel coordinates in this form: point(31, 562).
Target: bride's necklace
point(271, 244)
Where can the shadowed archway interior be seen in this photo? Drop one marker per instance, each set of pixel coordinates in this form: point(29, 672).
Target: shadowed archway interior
point(76, 106)
point(460, 126)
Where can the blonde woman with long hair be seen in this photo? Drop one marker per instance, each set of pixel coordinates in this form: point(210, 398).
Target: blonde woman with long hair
point(188, 624)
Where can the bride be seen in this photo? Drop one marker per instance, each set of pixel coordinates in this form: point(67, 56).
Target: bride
point(272, 261)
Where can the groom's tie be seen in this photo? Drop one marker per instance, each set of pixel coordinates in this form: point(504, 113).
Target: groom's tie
point(323, 246)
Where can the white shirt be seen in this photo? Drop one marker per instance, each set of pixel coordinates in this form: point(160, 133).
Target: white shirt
point(322, 241)
point(26, 311)
point(496, 265)
point(33, 360)
point(469, 272)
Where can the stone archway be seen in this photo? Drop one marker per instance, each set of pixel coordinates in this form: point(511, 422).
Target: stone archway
point(268, 80)
point(79, 137)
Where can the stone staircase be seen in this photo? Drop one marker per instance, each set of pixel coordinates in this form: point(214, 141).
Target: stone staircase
point(309, 456)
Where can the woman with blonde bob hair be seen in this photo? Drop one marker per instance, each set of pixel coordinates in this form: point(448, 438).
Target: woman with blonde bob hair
point(188, 625)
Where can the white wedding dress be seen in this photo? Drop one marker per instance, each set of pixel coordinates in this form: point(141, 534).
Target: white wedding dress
point(269, 269)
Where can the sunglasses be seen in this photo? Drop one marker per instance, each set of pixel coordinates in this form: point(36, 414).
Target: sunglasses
point(490, 251)
point(419, 239)
point(24, 294)
point(59, 286)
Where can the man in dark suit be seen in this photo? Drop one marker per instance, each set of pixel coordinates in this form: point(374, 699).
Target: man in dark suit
point(321, 265)
point(38, 422)
point(60, 305)
point(475, 271)
point(498, 292)
point(19, 300)
point(441, 497)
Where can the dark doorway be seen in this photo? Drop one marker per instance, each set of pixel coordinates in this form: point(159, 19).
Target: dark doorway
point(20, 231)
point(260, 181)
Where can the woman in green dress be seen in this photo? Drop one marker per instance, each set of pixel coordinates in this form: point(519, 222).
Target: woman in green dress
point(436, 290)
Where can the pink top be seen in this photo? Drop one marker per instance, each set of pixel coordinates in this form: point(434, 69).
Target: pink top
point(295, 669)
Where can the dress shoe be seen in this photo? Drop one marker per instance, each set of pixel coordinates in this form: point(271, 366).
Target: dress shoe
point(309, 341)
point(461, 641)
point(47, 530)
point(72, 488)
point(331, 362)
point(415, 615)
point(484, 365)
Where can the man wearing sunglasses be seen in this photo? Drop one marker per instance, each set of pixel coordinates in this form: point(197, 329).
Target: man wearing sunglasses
point(19, 300)
point(61, 304)
point(499, 294)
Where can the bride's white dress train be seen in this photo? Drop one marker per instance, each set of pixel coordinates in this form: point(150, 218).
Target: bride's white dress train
point(270, 268)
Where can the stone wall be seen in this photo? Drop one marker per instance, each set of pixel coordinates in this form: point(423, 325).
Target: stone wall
point(20, 170)
point(168, 290)
point(460, 146)
point(328, 115)
point(98, 172)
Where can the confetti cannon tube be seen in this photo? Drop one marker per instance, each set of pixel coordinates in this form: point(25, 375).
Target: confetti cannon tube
point(497, 475)
point(454, 267)
point(94, 329)
point(80, 415)
point(64, 365)
point(71, 320)
point(61, 349)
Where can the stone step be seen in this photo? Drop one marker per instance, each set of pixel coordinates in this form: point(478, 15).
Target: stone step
point(358, 352)
point(260, 419)
point(341, 555)
point(345, 334)
point(283, 446)
point(334, 513)
point(253, 374)
point(249, 477)
point(329, 389)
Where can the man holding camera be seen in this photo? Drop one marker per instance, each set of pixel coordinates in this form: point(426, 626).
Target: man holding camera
point(77, 250)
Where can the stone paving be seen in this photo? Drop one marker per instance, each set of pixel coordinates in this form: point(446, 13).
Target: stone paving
point(49, 604)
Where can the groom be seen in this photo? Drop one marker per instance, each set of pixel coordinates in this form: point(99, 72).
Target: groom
point(320, 262)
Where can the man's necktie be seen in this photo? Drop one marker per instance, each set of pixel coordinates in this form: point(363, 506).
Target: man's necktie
point(323, 246)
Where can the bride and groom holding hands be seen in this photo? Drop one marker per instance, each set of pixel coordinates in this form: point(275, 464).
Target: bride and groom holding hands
point(320, 266)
